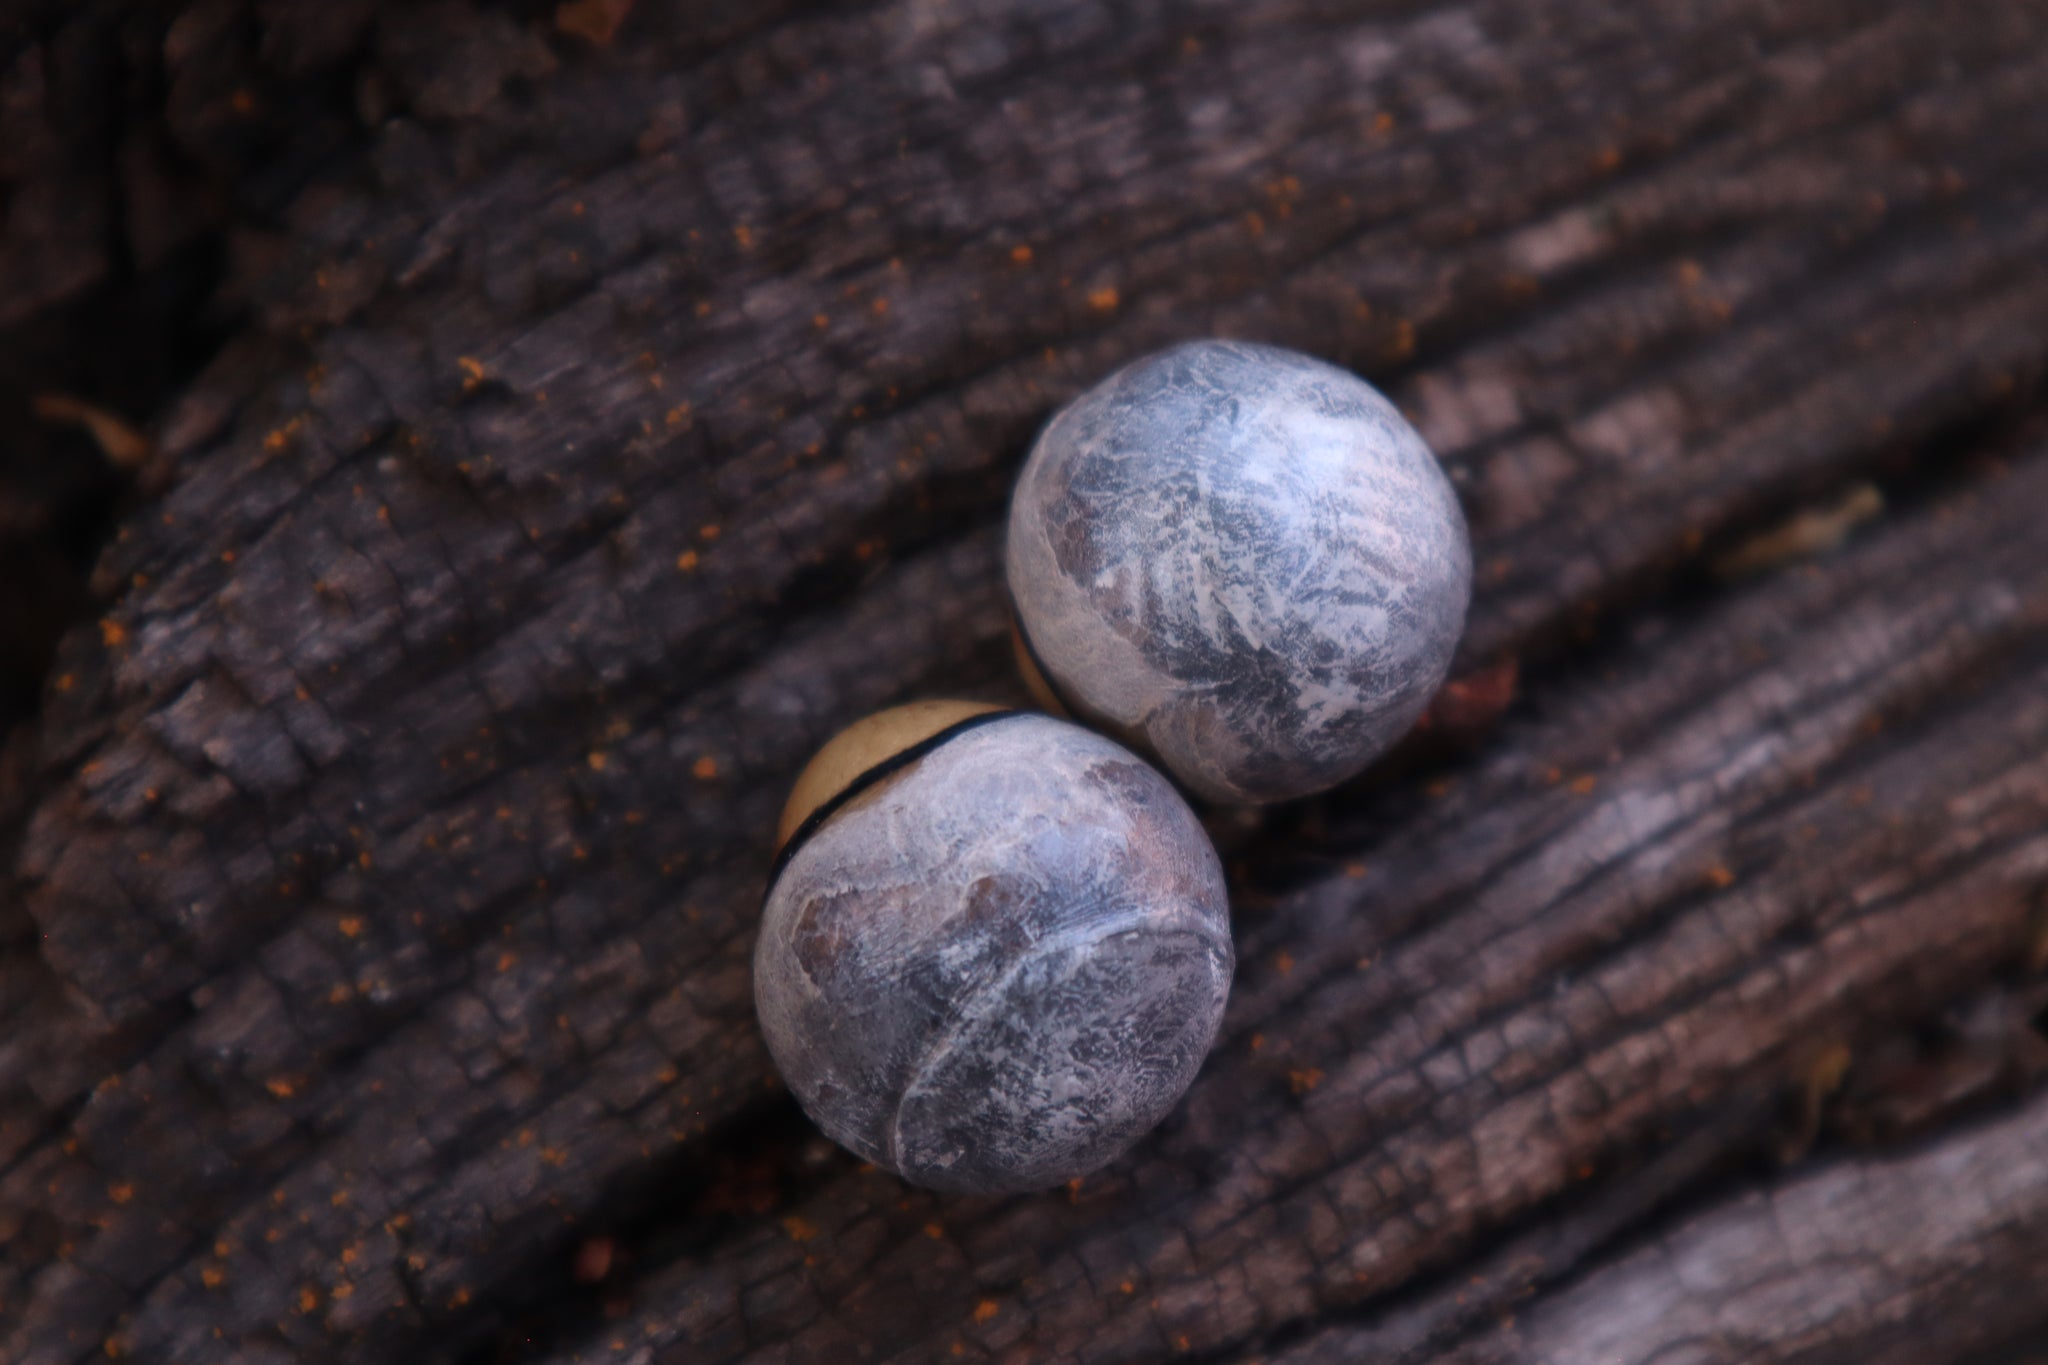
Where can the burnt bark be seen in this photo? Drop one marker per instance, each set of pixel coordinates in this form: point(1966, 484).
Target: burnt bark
point(603, 412)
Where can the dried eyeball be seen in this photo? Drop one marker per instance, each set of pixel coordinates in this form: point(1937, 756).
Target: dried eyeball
point(1242, 559)
point(995, 948)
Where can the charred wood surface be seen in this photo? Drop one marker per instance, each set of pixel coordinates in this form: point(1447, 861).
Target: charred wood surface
point(607, 403)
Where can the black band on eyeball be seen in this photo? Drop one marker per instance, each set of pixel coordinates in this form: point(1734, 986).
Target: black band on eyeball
point(892, 764)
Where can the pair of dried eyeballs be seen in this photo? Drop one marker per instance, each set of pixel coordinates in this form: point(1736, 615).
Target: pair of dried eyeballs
point(996, 946)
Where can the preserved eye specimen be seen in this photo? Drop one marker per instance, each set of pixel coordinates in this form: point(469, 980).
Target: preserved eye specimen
point(1243, 560)
point(995, 948)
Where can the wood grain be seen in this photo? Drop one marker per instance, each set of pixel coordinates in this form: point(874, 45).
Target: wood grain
point(604, 425)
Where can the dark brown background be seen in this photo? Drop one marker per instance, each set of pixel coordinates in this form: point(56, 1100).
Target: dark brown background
point(544, 427)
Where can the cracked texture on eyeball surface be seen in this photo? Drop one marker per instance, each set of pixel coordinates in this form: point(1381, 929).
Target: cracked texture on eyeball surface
point(1243, 558)
point(998, 968)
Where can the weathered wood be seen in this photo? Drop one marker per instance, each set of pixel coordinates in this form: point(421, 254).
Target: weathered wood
point(609, 425)
point(1935, 1255)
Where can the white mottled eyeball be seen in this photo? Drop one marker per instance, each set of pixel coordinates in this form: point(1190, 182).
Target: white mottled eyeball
point(995, 948)
point(1242, 559)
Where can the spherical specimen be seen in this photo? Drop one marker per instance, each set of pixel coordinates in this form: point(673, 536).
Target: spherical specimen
point(1243, 559)
point(995, 959)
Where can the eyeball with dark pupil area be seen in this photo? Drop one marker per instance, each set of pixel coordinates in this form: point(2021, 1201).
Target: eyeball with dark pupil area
point(995, 950)
point(1243, 560)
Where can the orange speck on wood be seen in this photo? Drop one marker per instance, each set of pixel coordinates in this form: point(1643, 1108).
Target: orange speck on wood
point(597, 760)
point(934, 1231)
point(1283, 962)
point(1258, 1042)
point(280, 1086)
point(121, 1193)
point(744, 235)
point(711, 530)
point(705, 768)
point(309, 1298)
point(112, 633)
point(1478, 698)
point(799, 1230)
point(985, 1310)
point(1102, 300)
point(1584, 783)
point(472, 372)
point(1021, 254)
point(213, 1277)
point(1720, 876)
point(1304, 1079)
point(880, 307)
point(1354, 870)
point(686, 562)
point(595, 21)
point(593, 1260)
point(350, 925)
